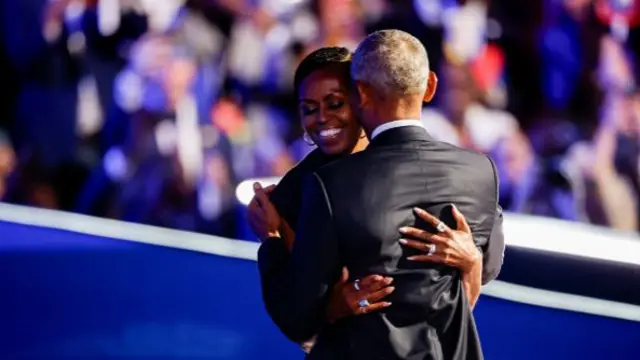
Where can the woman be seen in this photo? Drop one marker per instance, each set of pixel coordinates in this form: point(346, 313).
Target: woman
point(321, 83)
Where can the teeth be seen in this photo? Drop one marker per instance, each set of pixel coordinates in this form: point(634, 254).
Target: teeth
point(330, 132)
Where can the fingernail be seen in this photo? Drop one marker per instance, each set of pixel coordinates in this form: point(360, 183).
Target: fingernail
point(391, 289)
point(386, 304)
point(454, 208)
point(417, 209)
point(403, 241)
point(388, 280)
point(403, 229)
point(256, 186)
point(411, 258)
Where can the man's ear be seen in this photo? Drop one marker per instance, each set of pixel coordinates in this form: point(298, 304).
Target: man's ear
point(364, 93)
point(432, 85)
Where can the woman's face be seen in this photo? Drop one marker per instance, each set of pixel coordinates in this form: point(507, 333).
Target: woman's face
point(325, 111)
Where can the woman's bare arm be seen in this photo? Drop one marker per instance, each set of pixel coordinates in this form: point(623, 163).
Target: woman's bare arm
point(472, 283)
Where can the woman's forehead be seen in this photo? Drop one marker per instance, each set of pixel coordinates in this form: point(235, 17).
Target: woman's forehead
point(320, 84)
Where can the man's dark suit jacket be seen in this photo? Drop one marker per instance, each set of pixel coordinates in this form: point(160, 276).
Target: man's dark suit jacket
point(352, 210)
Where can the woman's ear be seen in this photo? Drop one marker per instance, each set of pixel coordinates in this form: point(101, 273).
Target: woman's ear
point(432, 85)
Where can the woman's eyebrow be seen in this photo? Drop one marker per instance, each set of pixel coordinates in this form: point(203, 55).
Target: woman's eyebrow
point(331, 93)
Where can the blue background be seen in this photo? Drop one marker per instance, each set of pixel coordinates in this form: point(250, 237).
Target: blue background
point(65, 294)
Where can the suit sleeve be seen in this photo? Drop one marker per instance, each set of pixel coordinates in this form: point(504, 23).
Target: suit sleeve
point(296, 287)
point(493, 251)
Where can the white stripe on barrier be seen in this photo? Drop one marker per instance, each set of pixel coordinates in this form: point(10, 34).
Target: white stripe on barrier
point(248, 250)
point(121, 230)
point(555, 300)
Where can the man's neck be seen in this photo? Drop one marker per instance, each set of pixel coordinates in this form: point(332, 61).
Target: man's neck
point(377, 121)
point(388, 110)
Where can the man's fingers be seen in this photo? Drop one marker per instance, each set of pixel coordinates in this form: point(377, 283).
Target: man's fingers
point(461, 221)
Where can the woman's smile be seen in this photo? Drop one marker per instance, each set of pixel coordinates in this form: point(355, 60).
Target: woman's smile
point(329, 133)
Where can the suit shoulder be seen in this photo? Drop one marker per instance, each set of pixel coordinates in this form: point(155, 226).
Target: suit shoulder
point(472, 157)
point(341, 165)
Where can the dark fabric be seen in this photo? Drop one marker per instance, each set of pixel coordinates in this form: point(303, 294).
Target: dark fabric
point(287, 196)
point(350, 215)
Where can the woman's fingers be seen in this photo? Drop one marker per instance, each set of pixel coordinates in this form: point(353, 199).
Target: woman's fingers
point(434, 221)
point(345, 275)
point(418, 245)
point(260, 194)
point(461, 221)
point(269, 189)
point(422, 235)
point(374, 282)
point(380, 294)
point(373, 288)
point(374, 301)
point(373, 307)
point(435, 258)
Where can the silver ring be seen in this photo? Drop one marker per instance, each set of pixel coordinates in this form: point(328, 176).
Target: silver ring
point(442, 227)
point(363, 303)
point(432, 250)
point(356, 285)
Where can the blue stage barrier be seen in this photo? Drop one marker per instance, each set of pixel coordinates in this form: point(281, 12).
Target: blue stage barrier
point(67, 294)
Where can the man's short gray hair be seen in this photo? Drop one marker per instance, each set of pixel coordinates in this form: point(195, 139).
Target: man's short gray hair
point(392, 62)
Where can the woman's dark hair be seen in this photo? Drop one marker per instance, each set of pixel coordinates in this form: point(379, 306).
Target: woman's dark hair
point(320, 59)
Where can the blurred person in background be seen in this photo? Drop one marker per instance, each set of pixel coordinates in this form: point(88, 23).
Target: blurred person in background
point(609, 162)
point(257, 144)
point(472, 72)
point(535, 178)
point(7, 162)
point(341, 23)
point(463, 119)
point(423, 19)
point(157, 169)
point(569, 51)
point(40, 47)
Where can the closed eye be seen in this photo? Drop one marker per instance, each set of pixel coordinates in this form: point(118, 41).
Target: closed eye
point(308, 110)
point(336, 104)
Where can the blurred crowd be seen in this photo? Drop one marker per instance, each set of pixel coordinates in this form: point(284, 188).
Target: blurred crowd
point(153, 111)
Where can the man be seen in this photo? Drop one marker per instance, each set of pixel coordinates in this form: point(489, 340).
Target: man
point(353, 208)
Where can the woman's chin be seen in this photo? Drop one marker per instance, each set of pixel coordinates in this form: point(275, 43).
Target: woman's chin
point(334, 148)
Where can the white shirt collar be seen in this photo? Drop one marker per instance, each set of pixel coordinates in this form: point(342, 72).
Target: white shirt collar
point(395, 124)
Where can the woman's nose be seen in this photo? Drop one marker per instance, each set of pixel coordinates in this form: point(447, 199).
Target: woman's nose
point(323, 117)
